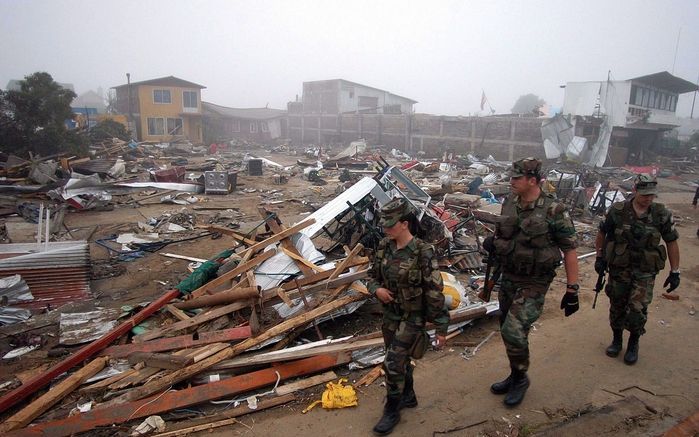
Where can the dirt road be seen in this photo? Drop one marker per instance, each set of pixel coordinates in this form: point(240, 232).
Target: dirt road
point(570, 373)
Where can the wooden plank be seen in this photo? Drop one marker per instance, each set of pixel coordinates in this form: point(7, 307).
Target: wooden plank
point(308, 267)
point(186, 258)
point(191, 322)
point(113, 414)
point(343, 265)
point(305, 383)
point(241, 268)
point(197, 428)
point(241, 410)
point(179, 342)
point(286, 355)
point(278, 237)
point(24, 417)
point(231, 351)
point(319, 276)
point(370, 376)
point(231, 233)
point(100, 385)
point(178, 313)
point(222, 297)
point(287, 245)
point(161, 361)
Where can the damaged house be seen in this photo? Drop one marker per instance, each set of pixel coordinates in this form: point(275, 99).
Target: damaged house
point(166, 109)
point(621, 120)
point(260, 125)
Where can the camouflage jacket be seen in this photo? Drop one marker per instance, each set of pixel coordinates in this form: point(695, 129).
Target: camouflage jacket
point(529, 239)
point(632, 242)
point(413, 276)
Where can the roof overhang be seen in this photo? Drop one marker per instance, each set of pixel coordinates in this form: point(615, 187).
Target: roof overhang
point(667, 81)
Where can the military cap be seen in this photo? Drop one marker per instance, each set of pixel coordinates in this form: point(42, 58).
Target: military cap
point(646, 184)
point(525, 167)
point(393, 211)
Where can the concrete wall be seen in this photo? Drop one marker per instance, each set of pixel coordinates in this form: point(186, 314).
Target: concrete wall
point(503, 137)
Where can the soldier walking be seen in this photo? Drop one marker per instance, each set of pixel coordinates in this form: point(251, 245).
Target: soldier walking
point(628, 244)
point(532, 231)
point(405, 277)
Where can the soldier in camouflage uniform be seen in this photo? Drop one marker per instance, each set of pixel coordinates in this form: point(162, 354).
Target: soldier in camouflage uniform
point(405, 277)
point(532, 231)
point(628, 244)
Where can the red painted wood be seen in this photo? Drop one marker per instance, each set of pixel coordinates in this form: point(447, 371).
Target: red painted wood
point(181, 398)
point(84, 353)
point(179, 342)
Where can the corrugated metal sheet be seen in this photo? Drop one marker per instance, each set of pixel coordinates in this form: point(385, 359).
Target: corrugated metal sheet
point(55, 277)
point(94, 166)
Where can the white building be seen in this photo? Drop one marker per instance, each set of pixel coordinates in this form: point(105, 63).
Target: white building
point(339, 96)
point(634, 114)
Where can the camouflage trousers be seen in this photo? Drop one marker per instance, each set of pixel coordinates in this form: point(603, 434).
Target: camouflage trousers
point(521, 302)
point(629, 294)
point(398, 336)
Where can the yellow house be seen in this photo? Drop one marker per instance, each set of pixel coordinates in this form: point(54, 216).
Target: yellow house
point(163, 110)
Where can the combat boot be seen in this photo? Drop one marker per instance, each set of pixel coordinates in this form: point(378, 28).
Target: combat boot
point(614, 348)
point(631, 355)
point(408, 400)
point(502, 387)
point(391, 416)
point(518, 387)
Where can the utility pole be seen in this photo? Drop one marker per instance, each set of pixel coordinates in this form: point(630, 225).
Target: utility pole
point(694, 99)
point(128, 85)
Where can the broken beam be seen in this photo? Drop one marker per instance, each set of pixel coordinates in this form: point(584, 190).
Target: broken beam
point(168, 401)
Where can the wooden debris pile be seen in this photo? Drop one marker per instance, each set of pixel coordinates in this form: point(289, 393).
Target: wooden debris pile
point(189, 358)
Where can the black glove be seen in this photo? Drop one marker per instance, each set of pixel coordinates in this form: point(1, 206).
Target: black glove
point(673, 280)
point(600, 265)
point(488, 244)
point(570, 303)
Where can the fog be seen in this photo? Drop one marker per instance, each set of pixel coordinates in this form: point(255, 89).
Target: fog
point(442, 54)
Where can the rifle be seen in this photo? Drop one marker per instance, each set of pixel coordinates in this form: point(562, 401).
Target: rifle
point(491, 278)
point(598, 287)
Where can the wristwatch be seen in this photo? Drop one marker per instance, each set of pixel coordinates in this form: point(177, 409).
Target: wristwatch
point(575, 287)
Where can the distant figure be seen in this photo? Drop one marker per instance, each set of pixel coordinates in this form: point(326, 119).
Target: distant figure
point(628, 243)
point(694, 202)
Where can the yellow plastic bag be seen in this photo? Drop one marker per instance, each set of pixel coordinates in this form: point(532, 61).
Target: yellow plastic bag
point(336, 395)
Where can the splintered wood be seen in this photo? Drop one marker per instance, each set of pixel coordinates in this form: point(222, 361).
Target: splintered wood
point(184, 345)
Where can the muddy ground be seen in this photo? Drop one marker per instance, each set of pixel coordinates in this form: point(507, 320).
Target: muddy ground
point(571, 376)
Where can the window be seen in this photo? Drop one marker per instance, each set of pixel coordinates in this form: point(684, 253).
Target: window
point(156, 126)
point(638, 100)
point(264, 127)
point(253, 127)
point(368, 102)
point(174, 126)
point(233, 126)
point(162, 96)
point(189, 99)
point(651, 102)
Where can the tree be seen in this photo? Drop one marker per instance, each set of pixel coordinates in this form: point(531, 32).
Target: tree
point(108, 129)
point(33, 118)
point(528, 104)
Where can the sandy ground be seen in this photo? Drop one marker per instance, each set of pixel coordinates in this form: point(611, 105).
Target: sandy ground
point(570, 373)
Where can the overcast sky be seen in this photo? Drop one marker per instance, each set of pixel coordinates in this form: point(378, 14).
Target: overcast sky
point(440, 53)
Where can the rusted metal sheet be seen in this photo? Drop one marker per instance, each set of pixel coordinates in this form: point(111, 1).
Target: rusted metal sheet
point(56, 273)
point(34, 384)
point(182, 398)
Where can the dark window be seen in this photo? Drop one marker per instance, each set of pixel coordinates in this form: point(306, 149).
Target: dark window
point(189, 99)
point(162, 96)
point(174, 126)
point(156, 126)
point(391, 109)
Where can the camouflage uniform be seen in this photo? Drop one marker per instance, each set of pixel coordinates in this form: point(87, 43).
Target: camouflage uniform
point(635, 256)
point(412, 275)
point(528, 244)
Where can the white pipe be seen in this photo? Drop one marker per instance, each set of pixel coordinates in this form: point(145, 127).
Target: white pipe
point(40, 227)
point(48, 225)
